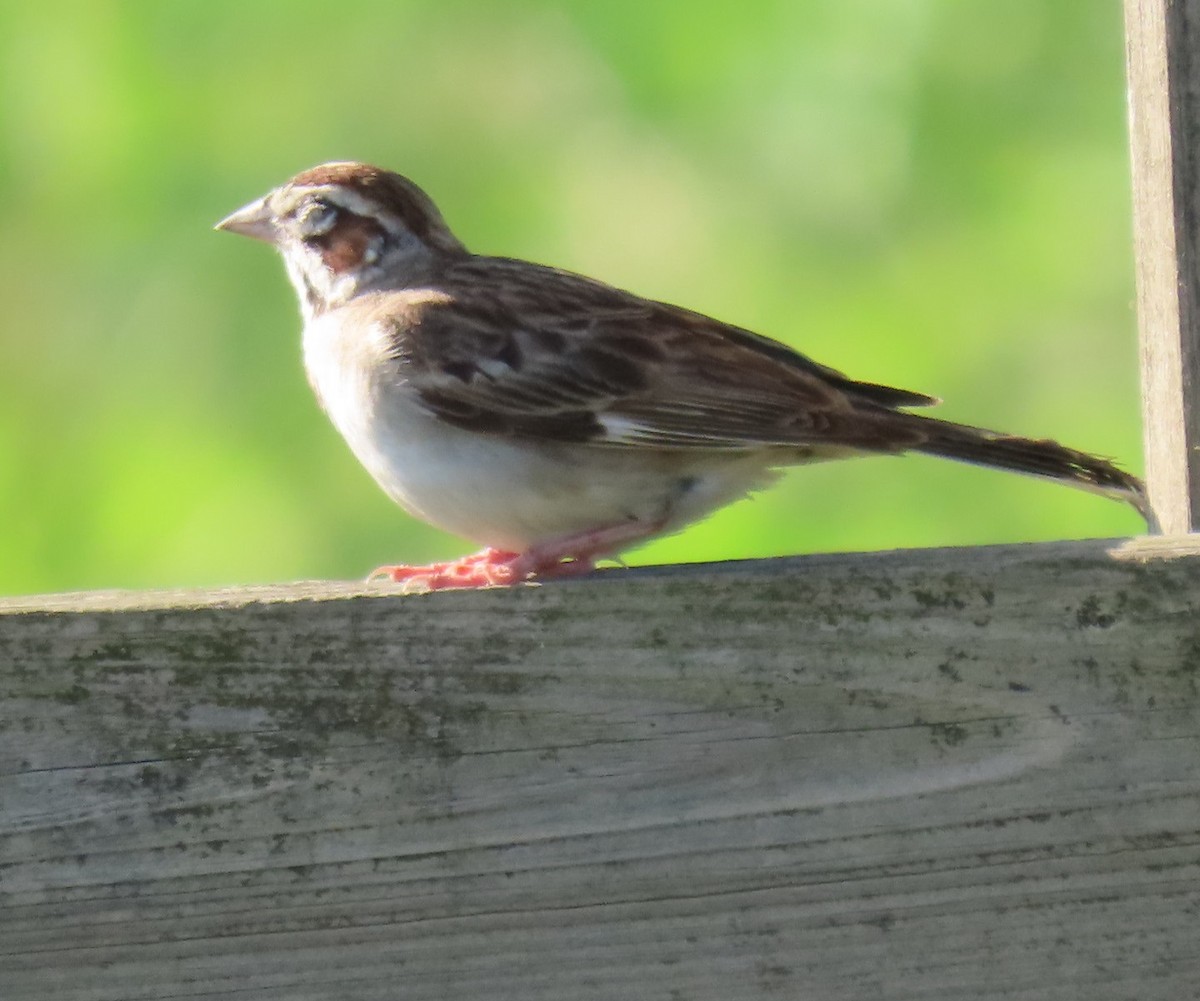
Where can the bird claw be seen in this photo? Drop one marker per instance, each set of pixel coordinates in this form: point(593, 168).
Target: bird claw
point(571, 556)
point(489, 568)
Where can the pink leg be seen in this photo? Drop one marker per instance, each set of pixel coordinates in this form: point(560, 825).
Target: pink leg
point(571, 556)
point(575, 555)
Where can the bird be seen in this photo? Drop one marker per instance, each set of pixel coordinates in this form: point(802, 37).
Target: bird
point(552, 418)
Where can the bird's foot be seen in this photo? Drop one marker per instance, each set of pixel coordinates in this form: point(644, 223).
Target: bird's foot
point(570, 556)
point(487, 568)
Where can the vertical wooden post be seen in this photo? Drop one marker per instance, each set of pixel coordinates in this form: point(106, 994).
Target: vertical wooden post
point(1163, 65)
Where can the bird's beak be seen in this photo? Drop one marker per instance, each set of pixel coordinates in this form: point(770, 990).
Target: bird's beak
point(254, 220)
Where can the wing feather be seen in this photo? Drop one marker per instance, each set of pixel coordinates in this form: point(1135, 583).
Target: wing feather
point(514, 350)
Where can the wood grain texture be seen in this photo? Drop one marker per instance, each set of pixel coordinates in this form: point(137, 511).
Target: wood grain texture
point(941, 774)
point(1162, 43)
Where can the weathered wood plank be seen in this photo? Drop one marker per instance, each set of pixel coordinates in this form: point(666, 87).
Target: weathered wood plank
point(1162, 43)
point(946, 774)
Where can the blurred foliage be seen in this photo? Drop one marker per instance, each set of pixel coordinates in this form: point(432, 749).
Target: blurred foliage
point(930, 193)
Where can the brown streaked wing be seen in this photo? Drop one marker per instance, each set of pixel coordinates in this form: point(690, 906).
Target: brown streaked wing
point(516, 349)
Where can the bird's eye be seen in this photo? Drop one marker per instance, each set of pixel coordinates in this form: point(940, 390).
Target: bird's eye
point(316, 219)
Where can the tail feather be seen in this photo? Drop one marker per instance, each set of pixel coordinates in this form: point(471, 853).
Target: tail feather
point(1041, 457)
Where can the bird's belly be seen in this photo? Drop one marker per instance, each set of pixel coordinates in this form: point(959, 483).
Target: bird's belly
point(506, 494)
point(513, 495)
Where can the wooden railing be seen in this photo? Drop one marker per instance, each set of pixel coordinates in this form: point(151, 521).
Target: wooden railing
point(958, 773)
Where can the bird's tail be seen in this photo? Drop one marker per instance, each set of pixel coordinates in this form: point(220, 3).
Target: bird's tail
point(1041, 457)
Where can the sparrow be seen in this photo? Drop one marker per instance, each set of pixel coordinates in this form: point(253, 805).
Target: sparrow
point(550, 417)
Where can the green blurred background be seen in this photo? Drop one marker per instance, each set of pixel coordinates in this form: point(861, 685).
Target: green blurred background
point(930, 193)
